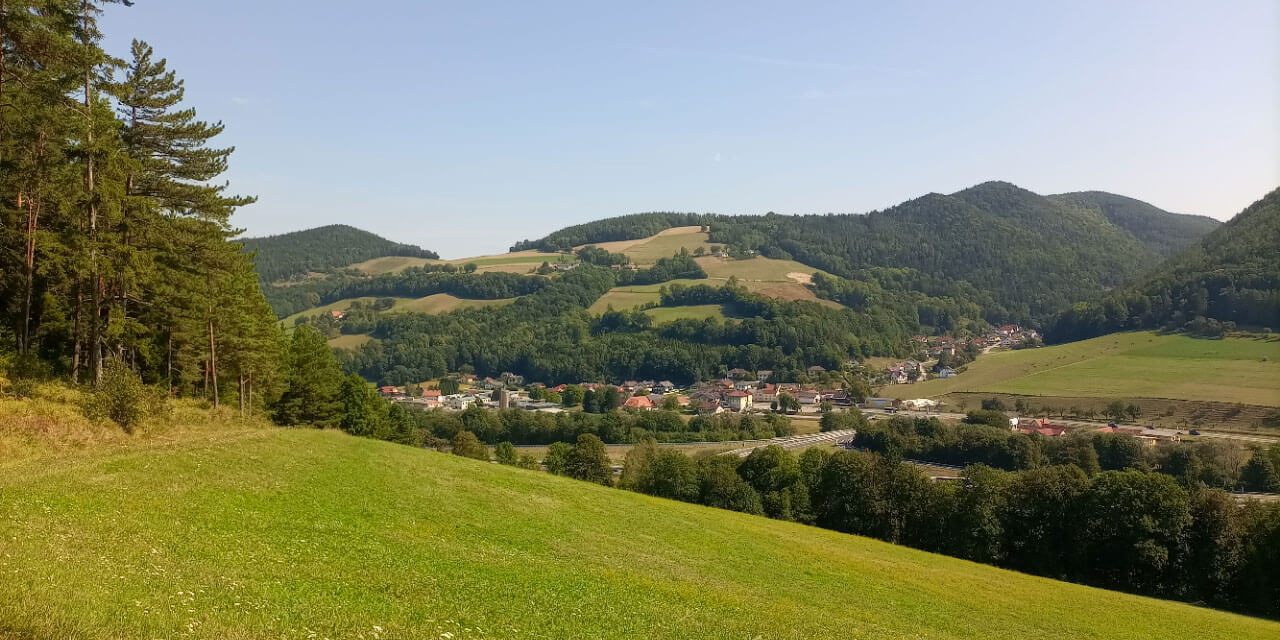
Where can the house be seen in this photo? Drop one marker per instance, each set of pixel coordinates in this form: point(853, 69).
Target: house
point(338, 315)
point(738, 400)
point(739, 374)
point(665, 386)
point(946, 372)
point(809, 396)
point(707, 405)
point(767, 393)
point(389, 391)
point(430, 398)
point(1008, 329)
point(457, 401)
point(1040, 426)
point(639, 403)
point(816, 369)
point(513, 379)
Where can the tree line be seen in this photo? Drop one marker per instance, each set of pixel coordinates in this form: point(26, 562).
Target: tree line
point(987, 440)
point(114, 229)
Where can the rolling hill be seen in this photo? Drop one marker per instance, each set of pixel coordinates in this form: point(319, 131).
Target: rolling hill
point(1231, 275)
point(304, 533)
point(295, 254)
point(1021, 255)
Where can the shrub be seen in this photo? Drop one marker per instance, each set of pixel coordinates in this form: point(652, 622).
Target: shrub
point(467, 445)
point(121, 397)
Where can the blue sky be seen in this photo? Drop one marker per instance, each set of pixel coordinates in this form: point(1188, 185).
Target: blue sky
point(464, 127)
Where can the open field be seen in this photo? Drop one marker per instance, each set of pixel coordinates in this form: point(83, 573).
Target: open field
point(782, 279)
point(692, 312)
point(1125, 365)
point(435, 303)
point(390, 264)
point(442, 302)
point(349, 341)
point(663, 245)
point(295, 533)
point(633, 296)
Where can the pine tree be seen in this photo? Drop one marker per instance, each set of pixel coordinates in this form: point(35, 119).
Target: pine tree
point(312, 383)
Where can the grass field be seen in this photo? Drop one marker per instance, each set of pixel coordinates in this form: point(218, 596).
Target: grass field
point(349, 341)
point(296, 533)
point(1125, 365)
point(691, 312)
point(663, 245)
point(435, 303)
point(633, 296)
point(442, 302)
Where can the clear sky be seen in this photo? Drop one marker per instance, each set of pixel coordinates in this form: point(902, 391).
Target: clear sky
point(466, 126)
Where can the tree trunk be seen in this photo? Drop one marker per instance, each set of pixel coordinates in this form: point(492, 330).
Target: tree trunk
point(90, 183)
point(213, 364)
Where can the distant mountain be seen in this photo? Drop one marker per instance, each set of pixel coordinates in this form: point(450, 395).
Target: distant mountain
point(297, 253)
point(1021, 255)
point(1161, 231)
point(1231, 275)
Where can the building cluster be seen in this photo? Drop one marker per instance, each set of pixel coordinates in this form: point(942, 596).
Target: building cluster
point(751, 392)
point(1047, 429)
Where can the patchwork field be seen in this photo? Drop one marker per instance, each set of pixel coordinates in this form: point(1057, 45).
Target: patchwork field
point(435, 303)
point(662, 245)
point(349, 341)
point(297, 533)
point(633, 296)
point(1125, 365)
point(692, 312)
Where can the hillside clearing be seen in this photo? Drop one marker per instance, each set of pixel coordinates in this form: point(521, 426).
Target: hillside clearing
point(1125, 365)
point(691, 312)
point(444, 302)
point(350, 341)
point(296, 533)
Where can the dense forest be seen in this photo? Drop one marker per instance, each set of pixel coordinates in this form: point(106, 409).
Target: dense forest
point(1229, 278)
point(114, 227)
point(1163, 232)
point(1021, 256)
point(322, 249)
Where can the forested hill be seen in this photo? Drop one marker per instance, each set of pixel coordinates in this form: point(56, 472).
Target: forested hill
point(1230, 276)
point(629, 227)
point(1163, 232)
point(1024, 256)
point(320, 249)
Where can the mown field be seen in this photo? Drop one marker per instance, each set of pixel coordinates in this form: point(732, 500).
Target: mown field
point(1125, 365)
point(435, 303)
point(691, 312)
point(275, 533)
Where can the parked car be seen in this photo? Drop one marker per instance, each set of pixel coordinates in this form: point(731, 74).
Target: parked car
point(1195, 432)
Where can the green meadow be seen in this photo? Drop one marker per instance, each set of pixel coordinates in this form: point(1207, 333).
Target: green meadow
point(298, 533)
point(1243, 370)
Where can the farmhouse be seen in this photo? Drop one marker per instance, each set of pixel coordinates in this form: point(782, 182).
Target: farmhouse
point(738, 400)
point(640, 403)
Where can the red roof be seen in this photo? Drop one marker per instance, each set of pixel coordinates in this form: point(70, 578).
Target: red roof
point(737, 394)
point(431, 393)
point(638, 402)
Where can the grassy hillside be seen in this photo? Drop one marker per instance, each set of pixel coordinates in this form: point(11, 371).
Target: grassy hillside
point(300, 533)
point(1125, 365)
